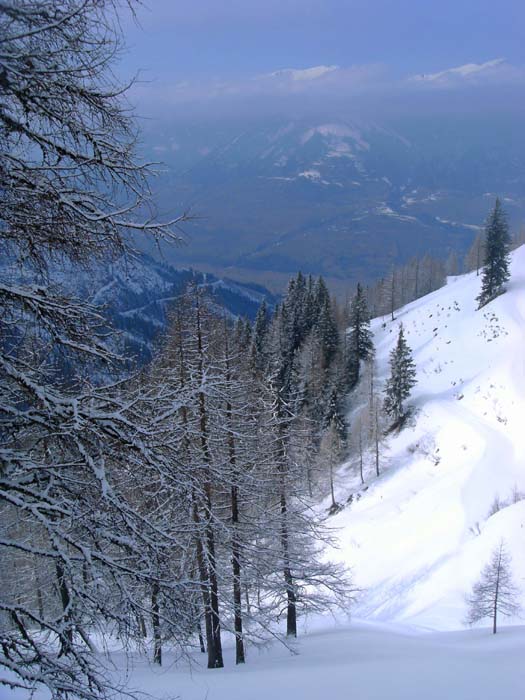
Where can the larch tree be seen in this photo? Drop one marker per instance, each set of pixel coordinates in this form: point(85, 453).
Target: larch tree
point(495, 271)
point(72, 189)
point(494, 593)
point(331, 453)
point(475, 254)
point(402, 378)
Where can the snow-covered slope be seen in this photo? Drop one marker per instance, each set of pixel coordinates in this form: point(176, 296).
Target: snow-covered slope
point(420, 534)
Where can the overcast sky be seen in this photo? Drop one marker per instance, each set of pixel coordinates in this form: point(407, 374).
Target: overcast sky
point(185, 49)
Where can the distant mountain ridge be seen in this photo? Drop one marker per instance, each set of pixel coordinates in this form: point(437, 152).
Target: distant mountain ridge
point(138, 291)
point(135, 292)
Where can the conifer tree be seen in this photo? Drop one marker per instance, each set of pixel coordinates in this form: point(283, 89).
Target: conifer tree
point(259, 333)
point(495, 591)
point(360, 346)
point(496, 264)
point(325, 323)
point(402, 377)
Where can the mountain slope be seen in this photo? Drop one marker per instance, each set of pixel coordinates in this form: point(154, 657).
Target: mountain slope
point(420, 534)
point(137, 291)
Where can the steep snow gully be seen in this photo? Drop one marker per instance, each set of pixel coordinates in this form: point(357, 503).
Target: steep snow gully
point(453, 482)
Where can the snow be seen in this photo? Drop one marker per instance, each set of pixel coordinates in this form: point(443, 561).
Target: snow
point(473, 227)
point(419, 536)
point(384, 210)
point(362, 660)
point(336, 135)
point(465, 71)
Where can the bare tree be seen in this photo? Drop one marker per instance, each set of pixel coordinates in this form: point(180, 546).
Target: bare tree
point(331, 453)
point(72, 189)
point(495, 591)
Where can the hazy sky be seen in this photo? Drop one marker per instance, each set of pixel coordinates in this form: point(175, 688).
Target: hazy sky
point(186, 49)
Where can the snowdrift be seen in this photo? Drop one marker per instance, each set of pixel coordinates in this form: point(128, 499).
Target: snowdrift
point(453, 482)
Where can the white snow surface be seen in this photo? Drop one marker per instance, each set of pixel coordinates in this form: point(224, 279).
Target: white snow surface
point(365, 661)
point(465, 71)
point(419, 536)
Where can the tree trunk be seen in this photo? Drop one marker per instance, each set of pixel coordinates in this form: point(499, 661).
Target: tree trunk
point(376, 431)
point(334, 504)
point(213, 641)
point(201, 639)
point(496, 596)
point(392, 294)
point(237, 591)
point(155, 623)
point(236, 548)
point(361, 454)
point(66, 636)
point(205, 590)
point(291, 615)
point(215, 659)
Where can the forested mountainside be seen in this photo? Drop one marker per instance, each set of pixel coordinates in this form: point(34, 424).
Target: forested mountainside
point(135, 292)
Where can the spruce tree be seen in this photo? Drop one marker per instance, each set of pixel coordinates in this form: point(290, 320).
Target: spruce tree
point(325, 323)
point(496, 264)
point(402, 377)
point(360, 345)
point(259, 335)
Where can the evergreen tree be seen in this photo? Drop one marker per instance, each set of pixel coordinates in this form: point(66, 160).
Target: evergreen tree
point(258, 341)
point(496, 264)
point(325, 323)
point(335, 414)
point(402, 377)
point(360, 345)
point(494, 592)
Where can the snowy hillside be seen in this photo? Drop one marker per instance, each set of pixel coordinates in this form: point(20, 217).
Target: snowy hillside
point(420, 534)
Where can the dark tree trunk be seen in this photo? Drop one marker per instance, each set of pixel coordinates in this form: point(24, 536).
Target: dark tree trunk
point(66, 637)
point(291, 613)
point(201, 639)
point(376, 431)
point(205, 589)
point(142, 625)
point(237, 591)
point(360, 442)
point(496, 600)
point(215, 659)
point(236, 548)
point(332, 492)
point(155, 623)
